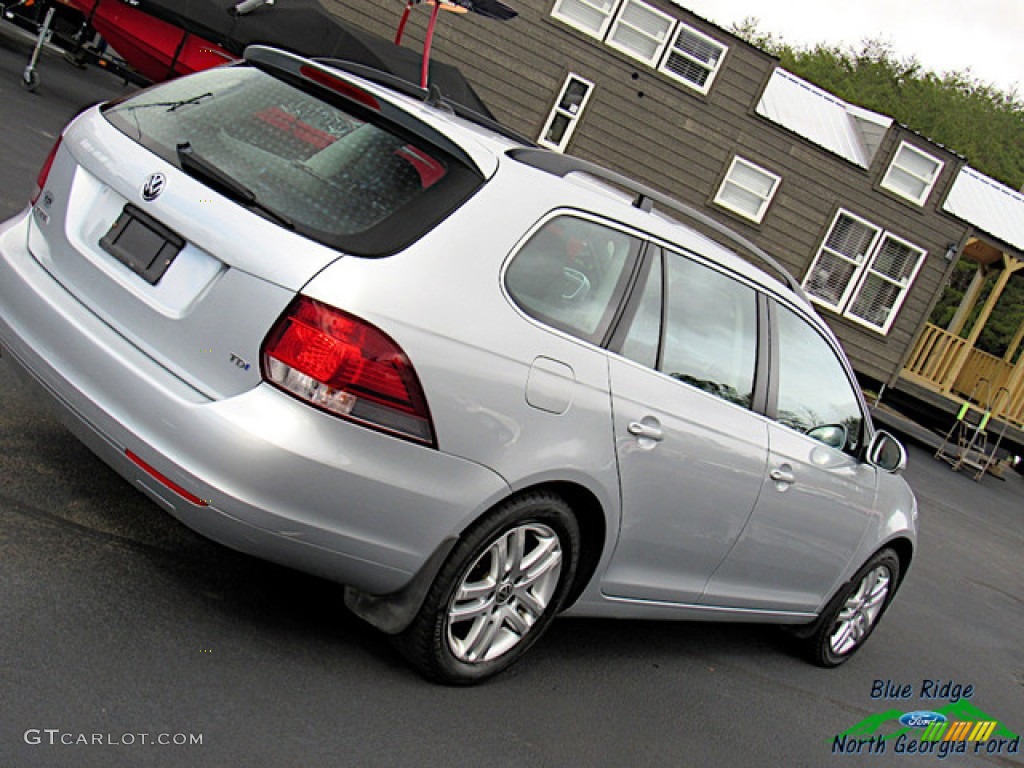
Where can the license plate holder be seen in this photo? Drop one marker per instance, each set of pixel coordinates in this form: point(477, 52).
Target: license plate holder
point(142, 243)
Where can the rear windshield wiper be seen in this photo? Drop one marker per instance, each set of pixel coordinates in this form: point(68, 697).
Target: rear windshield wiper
point(200, 168)
point(171, 105)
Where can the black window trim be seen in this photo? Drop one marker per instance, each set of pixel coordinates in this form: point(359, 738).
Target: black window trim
point(765, 382)
point(630, 304)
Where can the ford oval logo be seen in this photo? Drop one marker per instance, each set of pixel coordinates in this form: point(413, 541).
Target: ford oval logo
point(153, 187)
point(922, 719)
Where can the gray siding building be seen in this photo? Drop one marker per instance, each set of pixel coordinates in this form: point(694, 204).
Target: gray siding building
point(850, 202)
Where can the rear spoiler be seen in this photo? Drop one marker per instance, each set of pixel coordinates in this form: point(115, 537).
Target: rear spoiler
point(321, 71)
point(433, 96)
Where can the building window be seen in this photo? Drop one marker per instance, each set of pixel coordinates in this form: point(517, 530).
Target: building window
point(887, 278)
point(832, 276)
point(693, 58)
point(590, 16)
point(912, 174)
point(566, 113)
point(652, 36)
point(747, 189)
point(863, 272)
point(640, 31)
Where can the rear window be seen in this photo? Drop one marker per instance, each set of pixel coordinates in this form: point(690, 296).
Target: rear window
point(338, 172)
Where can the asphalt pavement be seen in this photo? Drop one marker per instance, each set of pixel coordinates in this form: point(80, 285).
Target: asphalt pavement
point(126, 640)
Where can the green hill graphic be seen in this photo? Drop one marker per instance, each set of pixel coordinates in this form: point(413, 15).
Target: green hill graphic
point(887, 724)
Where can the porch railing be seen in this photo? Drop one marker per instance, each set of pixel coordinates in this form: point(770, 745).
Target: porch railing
point(936, 362)
point(935, 356)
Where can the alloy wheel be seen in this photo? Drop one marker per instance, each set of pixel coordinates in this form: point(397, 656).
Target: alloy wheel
point(503, 593)
point(861, 610)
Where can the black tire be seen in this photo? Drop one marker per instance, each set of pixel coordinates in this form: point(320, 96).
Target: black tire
point(852, 615)
point(482, 614)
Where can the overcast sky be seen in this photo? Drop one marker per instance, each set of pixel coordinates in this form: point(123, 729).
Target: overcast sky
point(944, 35)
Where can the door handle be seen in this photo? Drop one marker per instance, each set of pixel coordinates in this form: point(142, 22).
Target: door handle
point(780, 475)
point(639, 429)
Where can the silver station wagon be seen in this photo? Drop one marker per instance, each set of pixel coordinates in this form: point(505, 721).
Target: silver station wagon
point(330, 320)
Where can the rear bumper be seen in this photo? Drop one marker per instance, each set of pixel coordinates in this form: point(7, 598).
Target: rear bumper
point(281, 480)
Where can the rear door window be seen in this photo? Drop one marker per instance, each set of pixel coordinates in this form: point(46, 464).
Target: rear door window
point(698, 326)
point(337, 172)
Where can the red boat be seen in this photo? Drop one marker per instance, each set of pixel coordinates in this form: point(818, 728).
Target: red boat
point(162, 39)
point(156, 48)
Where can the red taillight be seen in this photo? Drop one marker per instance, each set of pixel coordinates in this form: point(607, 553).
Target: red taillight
point(348, 367)
point(44, 172)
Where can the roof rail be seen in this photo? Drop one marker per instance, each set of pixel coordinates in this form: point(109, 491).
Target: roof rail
point(408, 88)
point(645, 199)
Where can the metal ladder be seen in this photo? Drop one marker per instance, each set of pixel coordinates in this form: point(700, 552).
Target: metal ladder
point(967, 442)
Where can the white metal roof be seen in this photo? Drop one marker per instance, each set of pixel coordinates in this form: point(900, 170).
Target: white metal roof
point(846, 130)
point(990, 206)
point(855, 134)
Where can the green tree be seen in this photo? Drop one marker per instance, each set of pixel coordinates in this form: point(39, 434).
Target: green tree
point(954, 109)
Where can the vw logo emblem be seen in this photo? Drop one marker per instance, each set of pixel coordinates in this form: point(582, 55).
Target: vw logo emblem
point(153, 187)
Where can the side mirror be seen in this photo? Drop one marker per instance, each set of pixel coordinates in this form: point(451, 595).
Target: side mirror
point(886, 452)
point(832, 435)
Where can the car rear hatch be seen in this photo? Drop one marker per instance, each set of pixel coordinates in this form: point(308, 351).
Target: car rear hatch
point(189, 215)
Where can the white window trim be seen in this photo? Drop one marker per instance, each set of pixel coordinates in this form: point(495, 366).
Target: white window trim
point(620, 22)
point(859, 265)
point(598, 33)
point(862, 271)
point(573, 117)
point(904, 287)
point(765, 201)
point(928, 182)
point(670, 48)
point(659, 61)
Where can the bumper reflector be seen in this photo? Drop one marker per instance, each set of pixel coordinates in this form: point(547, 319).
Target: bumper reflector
point(189, 497)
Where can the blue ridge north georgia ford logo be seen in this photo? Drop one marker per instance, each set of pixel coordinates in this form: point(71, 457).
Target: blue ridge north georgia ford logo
point(949, 724)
